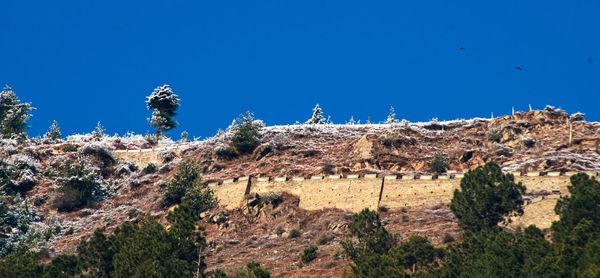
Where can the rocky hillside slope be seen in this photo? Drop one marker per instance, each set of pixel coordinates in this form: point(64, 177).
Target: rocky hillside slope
point(548, 140)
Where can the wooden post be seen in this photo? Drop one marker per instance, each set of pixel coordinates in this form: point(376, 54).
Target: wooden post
point(570, 133)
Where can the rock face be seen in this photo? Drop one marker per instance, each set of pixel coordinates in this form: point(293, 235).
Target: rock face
point(517, 142)
point(363, 148)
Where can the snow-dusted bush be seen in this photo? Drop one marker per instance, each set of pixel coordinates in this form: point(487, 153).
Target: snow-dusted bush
point(225, 151)
point(53, 134)
point(18, 173)
point(79, 184)
point(126, 168)
point(16, 217)
point(99, 151)
point(167, 156)
point(577, 117)
point(317, 116)
point(163, 103)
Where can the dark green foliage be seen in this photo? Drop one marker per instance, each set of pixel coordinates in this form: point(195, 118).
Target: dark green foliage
point(439, 164)
point(13, 115)
point(186, 178)
point(494, 253)
point(581, 204)
point(577, 234)
point(324, 239)
point(308, 255)
point(226, 152)
point(70, 148)
point(273, 198)
point(63, 266)
point(253, 270)
point(367, 227)
point(20, 265)
point(218, 274)
point(163, 103)
point(150, 168)
point(78, 186)
point(494, 135)
point(486, 197)
point(246, 133)
point(375, 254)
point(416, 253)
point(294, 233)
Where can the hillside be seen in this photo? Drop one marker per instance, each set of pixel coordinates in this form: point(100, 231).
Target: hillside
point(546, 140)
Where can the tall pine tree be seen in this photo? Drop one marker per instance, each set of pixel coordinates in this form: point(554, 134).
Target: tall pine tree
point(163, 103)
point(53, 132)
point(391, 117)
point(13, 114)
point(317, 116)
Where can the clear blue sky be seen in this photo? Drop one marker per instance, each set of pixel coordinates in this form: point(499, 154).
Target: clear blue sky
point(80, 62)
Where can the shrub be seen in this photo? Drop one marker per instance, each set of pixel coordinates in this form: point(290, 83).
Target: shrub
point(439, 164)
point(494, 135)
point(99, 152)
point(309, 255)
point(328, 169)
point(69, 148)
point(185, 178)
point(273, 198)
point(253, 270)
point(294, 233)
point(150, 168)
point(78, 186)
point(324, 239)
point(486, 197)
point(448, 238)
point(225, 152)
point(405, 218)
point(218, 273)
point(246, 133)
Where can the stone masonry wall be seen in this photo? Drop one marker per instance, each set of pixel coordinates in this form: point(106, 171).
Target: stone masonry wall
point(354, 193)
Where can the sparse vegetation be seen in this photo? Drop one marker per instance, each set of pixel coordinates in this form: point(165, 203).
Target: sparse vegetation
point(494, 135)
point(325, 239)
point(438, 164)
point(53, 134)
point(294, 233)
point(308, 255)
point(150, 168)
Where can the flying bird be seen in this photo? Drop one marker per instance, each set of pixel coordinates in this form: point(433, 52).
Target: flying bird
point(519, 68)
point(461, 49)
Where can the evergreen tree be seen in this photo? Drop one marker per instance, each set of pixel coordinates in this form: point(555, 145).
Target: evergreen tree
point(351, 121)
point(184, 137)
point(246, 133)
point(439, 164)
point(391, 117)
point(98, 132)
point(164, 104)
point(486, 197)
point(13, 114)
point(577, 233)
point(53, 132)
point(317, 116)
